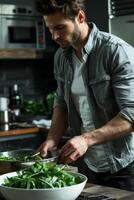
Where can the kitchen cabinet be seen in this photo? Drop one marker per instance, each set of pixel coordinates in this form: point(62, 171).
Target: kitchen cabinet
point(121, 19)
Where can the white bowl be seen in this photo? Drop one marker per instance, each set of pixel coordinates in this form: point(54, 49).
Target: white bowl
point(64, 193)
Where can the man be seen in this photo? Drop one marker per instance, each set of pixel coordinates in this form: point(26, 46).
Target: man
point(95, 95)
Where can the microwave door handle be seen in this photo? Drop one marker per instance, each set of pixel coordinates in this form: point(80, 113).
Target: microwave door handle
point(14, 18)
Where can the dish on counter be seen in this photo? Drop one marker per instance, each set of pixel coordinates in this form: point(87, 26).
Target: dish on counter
point(52, 183)
point(23, 157)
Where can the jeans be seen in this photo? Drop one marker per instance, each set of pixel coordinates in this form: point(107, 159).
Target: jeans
point(123, 179)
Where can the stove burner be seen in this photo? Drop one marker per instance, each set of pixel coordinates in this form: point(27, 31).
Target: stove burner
point(94, 197)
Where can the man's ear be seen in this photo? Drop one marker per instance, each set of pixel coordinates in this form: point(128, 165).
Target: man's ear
point(81, 16)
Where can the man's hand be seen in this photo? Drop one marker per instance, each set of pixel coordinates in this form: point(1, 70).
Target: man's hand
point(73, 149)
point(46, 146)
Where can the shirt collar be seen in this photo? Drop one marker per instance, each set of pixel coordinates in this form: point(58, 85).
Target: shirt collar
point(90, 42)
point(91, 39)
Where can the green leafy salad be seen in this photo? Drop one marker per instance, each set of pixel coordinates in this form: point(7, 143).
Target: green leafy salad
point(42, 175)
point(6, 158)
point(20, 158)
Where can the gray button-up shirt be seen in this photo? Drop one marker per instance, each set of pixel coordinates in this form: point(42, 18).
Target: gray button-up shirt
point(109, 81)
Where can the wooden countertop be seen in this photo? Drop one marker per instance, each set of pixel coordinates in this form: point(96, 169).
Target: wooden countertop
point(20, 53)
point(24, 53)
point(118, 194)
point(21, 131)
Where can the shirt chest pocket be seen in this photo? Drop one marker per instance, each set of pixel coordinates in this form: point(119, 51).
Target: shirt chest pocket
point(101, 88)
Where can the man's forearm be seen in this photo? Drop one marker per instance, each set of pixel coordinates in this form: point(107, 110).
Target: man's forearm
point(59, 125)
point(114, 129)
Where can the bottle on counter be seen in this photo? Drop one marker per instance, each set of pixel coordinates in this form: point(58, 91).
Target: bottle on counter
point(15, 100)
point(4, 114)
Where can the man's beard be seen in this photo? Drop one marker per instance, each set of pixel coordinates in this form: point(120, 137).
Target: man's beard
point(76, 35)
point(74, 38)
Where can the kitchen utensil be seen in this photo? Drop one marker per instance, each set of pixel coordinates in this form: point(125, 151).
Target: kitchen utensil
point(63, 193)
point(4, 117)
point(4, 101)
point(4, 127)
point(35, 154)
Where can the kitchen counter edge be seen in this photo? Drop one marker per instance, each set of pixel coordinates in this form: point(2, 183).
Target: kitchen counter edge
point(21, 131)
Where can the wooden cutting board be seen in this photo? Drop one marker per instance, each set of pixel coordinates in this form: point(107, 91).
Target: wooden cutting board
point(92, 189)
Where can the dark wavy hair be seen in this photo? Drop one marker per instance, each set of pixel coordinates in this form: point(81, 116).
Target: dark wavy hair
point(69, 8)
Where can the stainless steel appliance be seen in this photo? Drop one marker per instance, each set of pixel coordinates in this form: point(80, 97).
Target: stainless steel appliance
point(21, 27)
point(121, 19)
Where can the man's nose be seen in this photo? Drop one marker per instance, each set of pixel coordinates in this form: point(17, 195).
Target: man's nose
point(55, 35)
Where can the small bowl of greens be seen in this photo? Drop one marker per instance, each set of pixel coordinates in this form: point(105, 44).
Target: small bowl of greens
point(23, 157)
point(42, 181)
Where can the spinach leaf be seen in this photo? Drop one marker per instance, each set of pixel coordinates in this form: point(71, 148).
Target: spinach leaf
point(42, 175)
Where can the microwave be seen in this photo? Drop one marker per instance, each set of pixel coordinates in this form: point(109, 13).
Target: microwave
point(21, 28)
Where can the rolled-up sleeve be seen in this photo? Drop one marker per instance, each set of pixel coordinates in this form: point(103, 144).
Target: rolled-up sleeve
point(59, 98)
point(123, 80)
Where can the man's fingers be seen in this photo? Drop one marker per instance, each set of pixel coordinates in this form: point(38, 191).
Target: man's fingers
point(69, 158)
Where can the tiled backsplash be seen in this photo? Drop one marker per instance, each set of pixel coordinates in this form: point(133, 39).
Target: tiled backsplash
point(34, 77)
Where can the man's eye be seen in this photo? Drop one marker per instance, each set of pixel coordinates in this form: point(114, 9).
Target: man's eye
point(60, 28)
